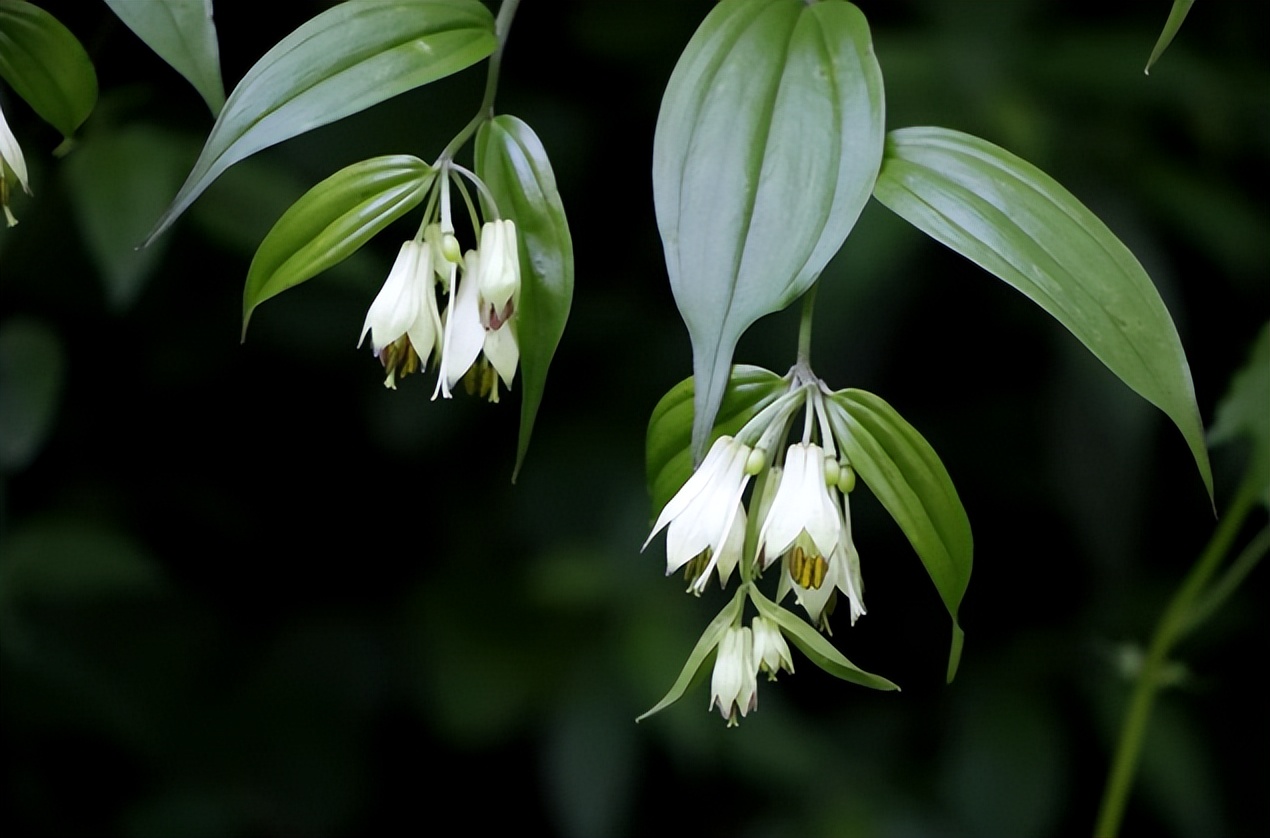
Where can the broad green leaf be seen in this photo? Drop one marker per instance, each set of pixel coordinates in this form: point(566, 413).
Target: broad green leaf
point(700, 653)
point(668, 457)
point(768, 143)
point(45, 65)
point(118, 182)
point(62, 558)
point(333, 220)
point(346, 59)
point(1016, 222)
point(1176, 15)
point(511, 161)
point(904, 473)
point(815, 646)
point(182, 33)
point(32, 368)
point(1244, 412)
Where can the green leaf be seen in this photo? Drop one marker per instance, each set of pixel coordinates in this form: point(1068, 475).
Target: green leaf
point(668, 456)
point(32, 369)
point(1176, 15)
point(700, 653)
point(331, 221)
point(343, 61)
point(1016, 222)
point(511, 161)
point(906, 476)
point(63, 558)
point(118, 182)
point(767, 147)
point(1244, 410)
point(182, 33)
point(815, 646)
point(46, 65)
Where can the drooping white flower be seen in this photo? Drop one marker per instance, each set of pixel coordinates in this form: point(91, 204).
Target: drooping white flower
point(803, 517)
point(498, 278)
point(771, 652)
point(403, 321)
point(11, 159)
point(705, 517)
point(733, 686)
point(842, 573)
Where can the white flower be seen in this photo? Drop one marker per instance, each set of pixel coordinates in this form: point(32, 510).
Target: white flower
point(705, 517)
point(498, 279)
point(403, 320)
point(733, 687)
point(771, 652)
point(803, 519)
point(11, 159)
point(468, 334)
point(842, 573)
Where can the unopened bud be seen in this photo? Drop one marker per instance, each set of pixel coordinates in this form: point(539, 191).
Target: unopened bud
point(756, 462)
point(831, 471)
point(846, 478)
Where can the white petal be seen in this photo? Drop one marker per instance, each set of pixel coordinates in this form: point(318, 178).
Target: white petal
point(11, 153)
point(802, 502)
point(499, 277)
point(503, 352)
point(464, 334)
point(696, 483)
point(396, 307)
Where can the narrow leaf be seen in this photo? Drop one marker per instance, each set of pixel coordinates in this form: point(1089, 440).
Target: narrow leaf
point(668, 449)
point(1016, 222)
point(331, 221)
point(182, 33)
point(700, 653)
point(32, 373)
point(814, 645)
point(512, 162)
point(768, 143)
point(46, 65)
point(1176, 15)
point(343, 61)
point(905, 474)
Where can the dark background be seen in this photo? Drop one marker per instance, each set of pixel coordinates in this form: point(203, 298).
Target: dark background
point(246, 591)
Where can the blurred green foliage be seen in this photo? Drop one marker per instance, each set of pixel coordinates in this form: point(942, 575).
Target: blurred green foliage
point(246, 591)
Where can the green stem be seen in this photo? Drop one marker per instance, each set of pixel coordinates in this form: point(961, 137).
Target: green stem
point(1173, 623)
point(502, 26)
point(804, 327)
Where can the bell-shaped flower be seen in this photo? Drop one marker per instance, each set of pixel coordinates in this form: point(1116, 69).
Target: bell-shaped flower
point(771, 652)
point(733, 686)
point(841, 573)
point(705, 518)
point(498, 277)
point(403, 321)
point(803, 518)
point(468, 334)
point(11, 160)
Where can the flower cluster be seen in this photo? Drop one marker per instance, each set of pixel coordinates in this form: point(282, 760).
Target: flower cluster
point(798, 517)
point(742, 654)
point(474, 338)
point(800, 508)
point(11, 161)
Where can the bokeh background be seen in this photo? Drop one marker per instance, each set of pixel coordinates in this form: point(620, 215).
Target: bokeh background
point(246, 591)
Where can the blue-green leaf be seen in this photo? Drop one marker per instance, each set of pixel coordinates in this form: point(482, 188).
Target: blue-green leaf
point(346, 59)
point(182, 33)
point(768, 143)
point(46, 65)
point(700, 653)
point(668, 449)
point(1018, 223)
point(905, 474)
point(1177, 14)
point(815, 646)
point(331, 221)
point(512, 162)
